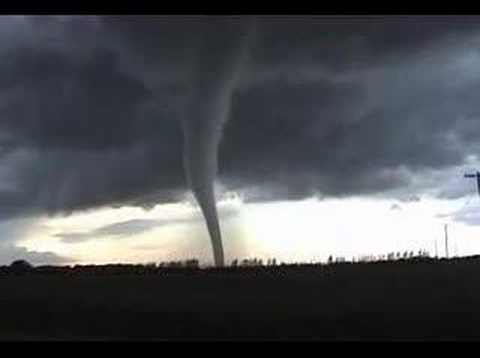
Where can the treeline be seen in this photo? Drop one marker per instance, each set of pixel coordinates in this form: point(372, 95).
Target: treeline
point(23, 267)
point(193, 266)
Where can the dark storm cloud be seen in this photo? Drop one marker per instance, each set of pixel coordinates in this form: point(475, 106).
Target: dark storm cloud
point(90, 107)
point(344, 43)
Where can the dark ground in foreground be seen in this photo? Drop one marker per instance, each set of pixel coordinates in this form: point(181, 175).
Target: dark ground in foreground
point(424, 300)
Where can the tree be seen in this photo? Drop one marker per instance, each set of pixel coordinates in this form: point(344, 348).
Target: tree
point(20, 266)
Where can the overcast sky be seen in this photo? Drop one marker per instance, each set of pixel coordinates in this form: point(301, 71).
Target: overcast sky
point(368, 117)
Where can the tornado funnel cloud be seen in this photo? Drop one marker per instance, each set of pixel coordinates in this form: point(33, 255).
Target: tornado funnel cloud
point(206, 200)
point(200, 166)
point(220, 58)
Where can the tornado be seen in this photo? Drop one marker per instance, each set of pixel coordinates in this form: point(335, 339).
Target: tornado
point(221, 53)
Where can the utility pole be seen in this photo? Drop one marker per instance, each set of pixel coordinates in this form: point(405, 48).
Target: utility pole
point(446, 240)
point(477, 176)
point(436, 249)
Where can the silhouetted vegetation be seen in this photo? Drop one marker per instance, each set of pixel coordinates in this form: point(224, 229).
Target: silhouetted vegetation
point(193, 265)
point(20, 266)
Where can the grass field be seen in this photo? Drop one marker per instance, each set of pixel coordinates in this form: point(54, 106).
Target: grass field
point(401, 300)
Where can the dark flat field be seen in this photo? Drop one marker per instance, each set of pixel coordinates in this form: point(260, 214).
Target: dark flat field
point(409, 300)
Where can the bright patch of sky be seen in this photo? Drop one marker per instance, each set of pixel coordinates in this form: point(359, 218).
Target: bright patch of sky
point(291, 231)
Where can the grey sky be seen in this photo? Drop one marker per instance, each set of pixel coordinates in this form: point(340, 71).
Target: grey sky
point(90, 109)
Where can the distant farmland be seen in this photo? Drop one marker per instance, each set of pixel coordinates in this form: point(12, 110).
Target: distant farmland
point(422, 299)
